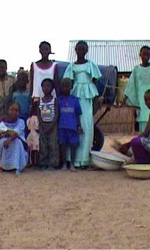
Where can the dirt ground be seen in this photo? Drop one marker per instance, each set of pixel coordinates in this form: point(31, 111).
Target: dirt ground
point(82, 210)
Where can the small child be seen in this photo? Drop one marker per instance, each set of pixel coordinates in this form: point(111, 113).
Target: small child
point(21, 95)
point(140, 145)
point(12, 152)
point(47, 115)
point(33, 136)
point(69, 123)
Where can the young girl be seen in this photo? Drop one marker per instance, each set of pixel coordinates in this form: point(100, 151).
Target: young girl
point(12, 152)
point(21, 95)
point(137, 85)
point(69, 123)
point(84, 74)
point(42, 69)
point(141, 144)
point(33, 136)
point(48, 114)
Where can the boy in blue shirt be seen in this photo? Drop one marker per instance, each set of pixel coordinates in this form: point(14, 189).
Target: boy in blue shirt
point(69, 126)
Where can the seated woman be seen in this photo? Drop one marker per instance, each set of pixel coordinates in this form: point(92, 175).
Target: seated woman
point(12, 152)
point(140, 145)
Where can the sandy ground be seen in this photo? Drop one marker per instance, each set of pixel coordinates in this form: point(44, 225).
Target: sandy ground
point(82, 210)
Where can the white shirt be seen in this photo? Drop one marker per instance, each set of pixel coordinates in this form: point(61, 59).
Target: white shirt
point(38, 76)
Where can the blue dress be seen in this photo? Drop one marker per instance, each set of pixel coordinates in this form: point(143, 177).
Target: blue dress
point(15, 156)
point(85, 90)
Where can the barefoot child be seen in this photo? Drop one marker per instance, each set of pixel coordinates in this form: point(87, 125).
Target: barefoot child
point(68, 123)
point(33, 136)
point(48, 115)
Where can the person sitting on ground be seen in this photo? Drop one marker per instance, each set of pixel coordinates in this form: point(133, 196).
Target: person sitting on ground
point(13, 154)
point(140, 145)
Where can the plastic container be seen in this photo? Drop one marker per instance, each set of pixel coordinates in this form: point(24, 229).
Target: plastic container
point(106, 161)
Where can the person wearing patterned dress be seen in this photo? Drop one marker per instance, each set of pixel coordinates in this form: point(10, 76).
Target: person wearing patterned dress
point(12, 138)
point(84, 74)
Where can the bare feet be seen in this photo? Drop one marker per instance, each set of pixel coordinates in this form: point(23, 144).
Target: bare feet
point(72, 168)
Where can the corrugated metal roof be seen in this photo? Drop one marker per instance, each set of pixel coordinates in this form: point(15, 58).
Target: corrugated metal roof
point(121, 53)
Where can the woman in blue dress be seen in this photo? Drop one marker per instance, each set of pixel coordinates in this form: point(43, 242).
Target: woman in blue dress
point(12, 139)
point(84, 74)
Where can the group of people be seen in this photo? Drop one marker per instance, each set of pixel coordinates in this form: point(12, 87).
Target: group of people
point(59, 115)
point(51, 123)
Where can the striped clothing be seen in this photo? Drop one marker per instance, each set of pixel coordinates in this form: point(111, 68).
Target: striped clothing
point(47, 110)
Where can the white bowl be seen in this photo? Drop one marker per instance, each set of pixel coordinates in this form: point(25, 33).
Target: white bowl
point(106, 161)
point(139, 171)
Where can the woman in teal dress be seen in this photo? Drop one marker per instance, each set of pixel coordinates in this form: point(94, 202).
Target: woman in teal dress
point(84, 74)
point(138, 84)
